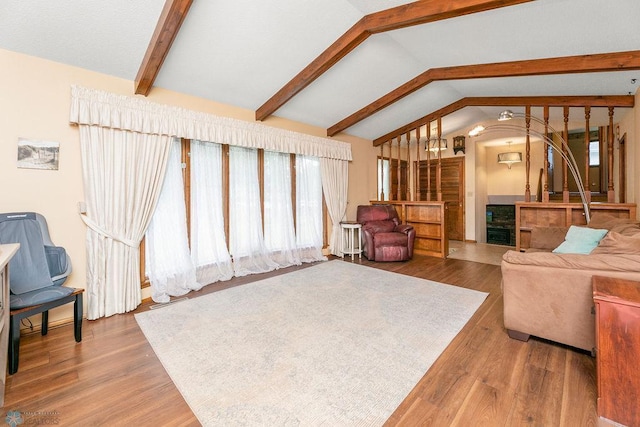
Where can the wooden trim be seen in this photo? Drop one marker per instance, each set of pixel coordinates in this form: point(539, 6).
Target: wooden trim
point(513, 101)
point(619, 61)
point(225, 191)
point(171, 18)
point(185, 158)
point(416, 13)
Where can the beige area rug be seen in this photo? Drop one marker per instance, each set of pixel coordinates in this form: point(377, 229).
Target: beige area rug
point(335, 344)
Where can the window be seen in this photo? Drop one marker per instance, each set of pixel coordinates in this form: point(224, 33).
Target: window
point(383, 178)
point(259, 232)
point(594, 153)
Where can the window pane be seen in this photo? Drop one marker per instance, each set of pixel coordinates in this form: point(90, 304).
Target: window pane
point(245, 217)
point(168, 262)
point(279, 234)
point(594, 153)
point(208, 244)
point(309, 207)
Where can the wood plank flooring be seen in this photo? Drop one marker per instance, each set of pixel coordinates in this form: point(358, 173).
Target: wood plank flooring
point(483, 378)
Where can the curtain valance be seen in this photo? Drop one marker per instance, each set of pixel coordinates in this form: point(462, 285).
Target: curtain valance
point(99, 108)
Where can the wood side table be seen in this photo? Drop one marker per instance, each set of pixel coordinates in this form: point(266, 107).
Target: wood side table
point(617, 304)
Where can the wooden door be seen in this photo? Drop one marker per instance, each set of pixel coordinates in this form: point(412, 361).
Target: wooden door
point(452, 184)
point(393, 175)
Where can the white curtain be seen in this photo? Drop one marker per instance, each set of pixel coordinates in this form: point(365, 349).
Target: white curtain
point(335, 183)
point(309, 208)
point(208, 244)
point(168, 261)
point(122, 174)
point(246, 240)
point(90, 106)
point(279, 231)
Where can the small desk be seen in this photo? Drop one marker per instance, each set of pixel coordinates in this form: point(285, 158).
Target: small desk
point(349, 239)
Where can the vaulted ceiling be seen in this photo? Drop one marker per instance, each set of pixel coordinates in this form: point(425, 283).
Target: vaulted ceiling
point(370, 68)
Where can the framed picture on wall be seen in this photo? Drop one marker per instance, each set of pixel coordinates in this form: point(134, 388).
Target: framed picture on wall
point(38, 154)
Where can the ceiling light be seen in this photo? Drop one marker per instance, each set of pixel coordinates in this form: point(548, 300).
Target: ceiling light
point(510, 157)
point(436, 144)
point(476, 130)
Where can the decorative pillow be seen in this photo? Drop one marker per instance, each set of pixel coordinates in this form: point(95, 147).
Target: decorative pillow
point(580, 240)
point(380, 226)
point(618, 244)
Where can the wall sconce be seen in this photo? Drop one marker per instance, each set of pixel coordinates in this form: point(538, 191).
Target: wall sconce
point(510, 157)
point(458, 144)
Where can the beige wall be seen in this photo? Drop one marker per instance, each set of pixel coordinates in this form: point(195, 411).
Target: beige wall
point(34, 104)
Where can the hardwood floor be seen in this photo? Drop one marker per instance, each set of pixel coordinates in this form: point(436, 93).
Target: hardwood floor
point(483, 378)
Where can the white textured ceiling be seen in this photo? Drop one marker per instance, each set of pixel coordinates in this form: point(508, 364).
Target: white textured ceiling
point(241, 52)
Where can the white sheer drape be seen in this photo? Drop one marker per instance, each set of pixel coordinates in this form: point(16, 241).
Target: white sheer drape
point(279, 231)
point(168, 263)
point(122, 174)
point(246, 240)
point(309, 208)
point(208, 244)
point(335, 183)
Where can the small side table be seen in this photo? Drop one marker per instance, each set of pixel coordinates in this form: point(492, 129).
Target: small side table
point(351, 234)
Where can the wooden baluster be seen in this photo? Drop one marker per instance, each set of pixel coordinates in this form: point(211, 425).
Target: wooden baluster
point(527, 150)
point(428, 162)
point(545, 174)
point(439, 169)
point(565, 176)
point(587, 144)
point(399, 172)
point(408, 168)
point(417, 187)
point(381, 172)
point(611, 195)
point(390, 196)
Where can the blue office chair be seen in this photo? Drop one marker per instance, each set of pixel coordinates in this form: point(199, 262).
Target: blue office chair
point(36, 274)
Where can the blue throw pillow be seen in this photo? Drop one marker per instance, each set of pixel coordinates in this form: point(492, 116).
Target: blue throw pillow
point(580, 240)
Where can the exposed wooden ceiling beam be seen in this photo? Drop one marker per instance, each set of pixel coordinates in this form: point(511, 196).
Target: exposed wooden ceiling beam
point(416, 13)
point(618, 61)
point(512, 101)
point(171, 18)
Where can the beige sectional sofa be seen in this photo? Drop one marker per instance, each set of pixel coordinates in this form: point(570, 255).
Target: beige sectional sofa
point(549, 295)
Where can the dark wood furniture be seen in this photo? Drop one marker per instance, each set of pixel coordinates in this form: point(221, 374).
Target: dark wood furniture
point(617, 304)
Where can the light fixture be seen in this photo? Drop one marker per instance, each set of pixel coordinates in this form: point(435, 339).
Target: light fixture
point(476, 130)
point(510, 157)
point(435, 144)
point(560, 146)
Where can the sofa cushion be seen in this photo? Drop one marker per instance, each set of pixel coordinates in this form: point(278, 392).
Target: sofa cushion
point(547, 238)
point(610, 222)
point(580, 240)
point(617, 243)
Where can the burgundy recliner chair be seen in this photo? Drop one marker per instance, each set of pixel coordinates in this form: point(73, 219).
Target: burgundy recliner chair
point(385, 239)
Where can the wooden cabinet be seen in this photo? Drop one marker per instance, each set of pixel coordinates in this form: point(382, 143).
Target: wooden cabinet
point(429, 221)
point(618, 349)
point(6, 253)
